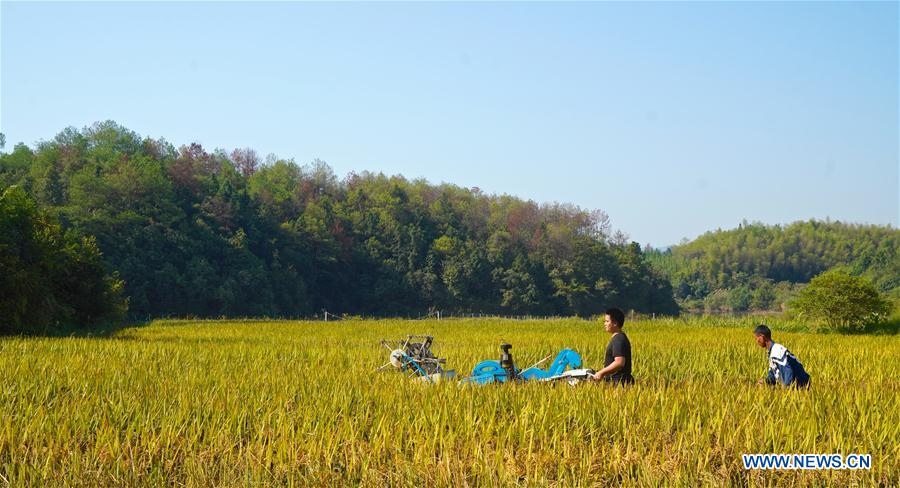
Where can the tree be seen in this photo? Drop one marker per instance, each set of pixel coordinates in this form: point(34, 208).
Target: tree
point(763, 296)
point(520, 295)
point(842, 301)
point(717, 301)
point(739, 299)
point(246, 161)
point(50, 278)
point(201, 233)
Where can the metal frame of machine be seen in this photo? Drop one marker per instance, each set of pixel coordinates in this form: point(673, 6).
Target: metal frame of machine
point(414, 356)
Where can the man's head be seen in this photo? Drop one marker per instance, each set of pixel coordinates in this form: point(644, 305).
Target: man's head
point(763, 335)
point(614, 320)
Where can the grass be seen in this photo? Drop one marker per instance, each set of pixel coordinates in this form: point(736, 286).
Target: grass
point(213, 403)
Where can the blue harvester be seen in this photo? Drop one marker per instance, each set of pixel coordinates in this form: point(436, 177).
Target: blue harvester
point(505, 370)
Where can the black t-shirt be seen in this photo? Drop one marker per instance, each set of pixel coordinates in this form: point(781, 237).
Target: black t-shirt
point(619, 345)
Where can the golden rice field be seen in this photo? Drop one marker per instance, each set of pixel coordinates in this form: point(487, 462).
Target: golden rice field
point(223, 403)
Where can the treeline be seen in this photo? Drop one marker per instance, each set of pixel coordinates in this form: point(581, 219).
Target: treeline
point(193, 232)
point(762, 267)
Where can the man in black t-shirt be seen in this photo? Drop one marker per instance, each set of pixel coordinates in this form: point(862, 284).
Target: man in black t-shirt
point(617, 363)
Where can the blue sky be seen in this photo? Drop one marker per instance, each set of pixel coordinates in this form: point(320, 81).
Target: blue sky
point(674, 118)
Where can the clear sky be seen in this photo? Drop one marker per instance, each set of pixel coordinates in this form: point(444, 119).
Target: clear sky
point(674, 118)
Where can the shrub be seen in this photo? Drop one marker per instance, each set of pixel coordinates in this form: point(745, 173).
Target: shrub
point(842, 301)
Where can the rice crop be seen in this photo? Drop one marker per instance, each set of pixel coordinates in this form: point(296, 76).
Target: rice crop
point(224, 403)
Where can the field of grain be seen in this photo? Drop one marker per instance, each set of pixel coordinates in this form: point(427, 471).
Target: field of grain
point(217, 403)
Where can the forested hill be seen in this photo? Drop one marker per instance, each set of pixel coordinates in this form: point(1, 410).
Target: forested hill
point(759, 266)
point(210, 233)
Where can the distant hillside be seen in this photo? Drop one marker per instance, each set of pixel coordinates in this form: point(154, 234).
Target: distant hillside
point(759, 266)
point(212, 233)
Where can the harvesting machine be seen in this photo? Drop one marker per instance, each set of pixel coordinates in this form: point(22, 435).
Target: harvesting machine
point(414, 356)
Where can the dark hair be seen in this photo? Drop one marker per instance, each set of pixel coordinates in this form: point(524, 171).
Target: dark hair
point(616, 315)
point(762, 330)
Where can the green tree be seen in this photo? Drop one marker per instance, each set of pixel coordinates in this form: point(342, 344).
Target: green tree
point(763, 296)
point(202, 233)
point(716, 301)
point(740, 298)
point(842, 301)
point(754, 254)
point(520, 294)
point(50, 279)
